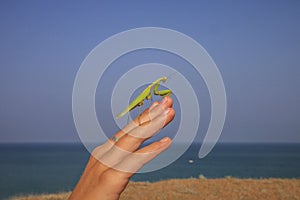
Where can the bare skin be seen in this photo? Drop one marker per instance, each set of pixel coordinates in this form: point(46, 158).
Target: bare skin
point(112, 164)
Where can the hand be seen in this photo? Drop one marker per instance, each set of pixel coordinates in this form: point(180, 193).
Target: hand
point(112, 164)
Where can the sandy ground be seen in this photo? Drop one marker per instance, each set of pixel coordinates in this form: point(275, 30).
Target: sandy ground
point(224, 188)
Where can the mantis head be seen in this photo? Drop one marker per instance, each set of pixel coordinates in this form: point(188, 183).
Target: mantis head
point(163, 79)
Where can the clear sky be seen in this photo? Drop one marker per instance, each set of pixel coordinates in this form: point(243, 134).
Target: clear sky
point(256, 45)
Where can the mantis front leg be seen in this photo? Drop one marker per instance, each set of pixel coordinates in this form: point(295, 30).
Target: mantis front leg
point(161, 92)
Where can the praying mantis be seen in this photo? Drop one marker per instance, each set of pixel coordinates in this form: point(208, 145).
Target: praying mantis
point(146, 94)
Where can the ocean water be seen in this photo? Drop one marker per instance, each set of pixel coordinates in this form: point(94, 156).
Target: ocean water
point(48, 168)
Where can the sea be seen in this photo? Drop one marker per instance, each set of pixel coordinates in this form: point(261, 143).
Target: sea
point(50, 168)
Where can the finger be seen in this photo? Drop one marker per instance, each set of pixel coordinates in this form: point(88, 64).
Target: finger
point(135, 161)
point(99, 151)
point(154, 110)
point(132, 140)
point(115, 179)
point(130, 143)
point(150, 113)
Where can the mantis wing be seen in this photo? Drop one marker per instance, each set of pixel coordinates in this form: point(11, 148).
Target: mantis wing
point(137, 101)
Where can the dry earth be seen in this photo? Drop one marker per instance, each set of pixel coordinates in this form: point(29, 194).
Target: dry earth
point(202, 188)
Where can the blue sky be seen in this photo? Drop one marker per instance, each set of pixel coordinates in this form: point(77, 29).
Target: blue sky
point(256, 45)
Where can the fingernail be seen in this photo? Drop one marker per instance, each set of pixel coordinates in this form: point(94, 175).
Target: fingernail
point(165, 100)
point(165, 139)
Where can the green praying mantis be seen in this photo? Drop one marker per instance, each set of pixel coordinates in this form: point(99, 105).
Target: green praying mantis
point(146, 94)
